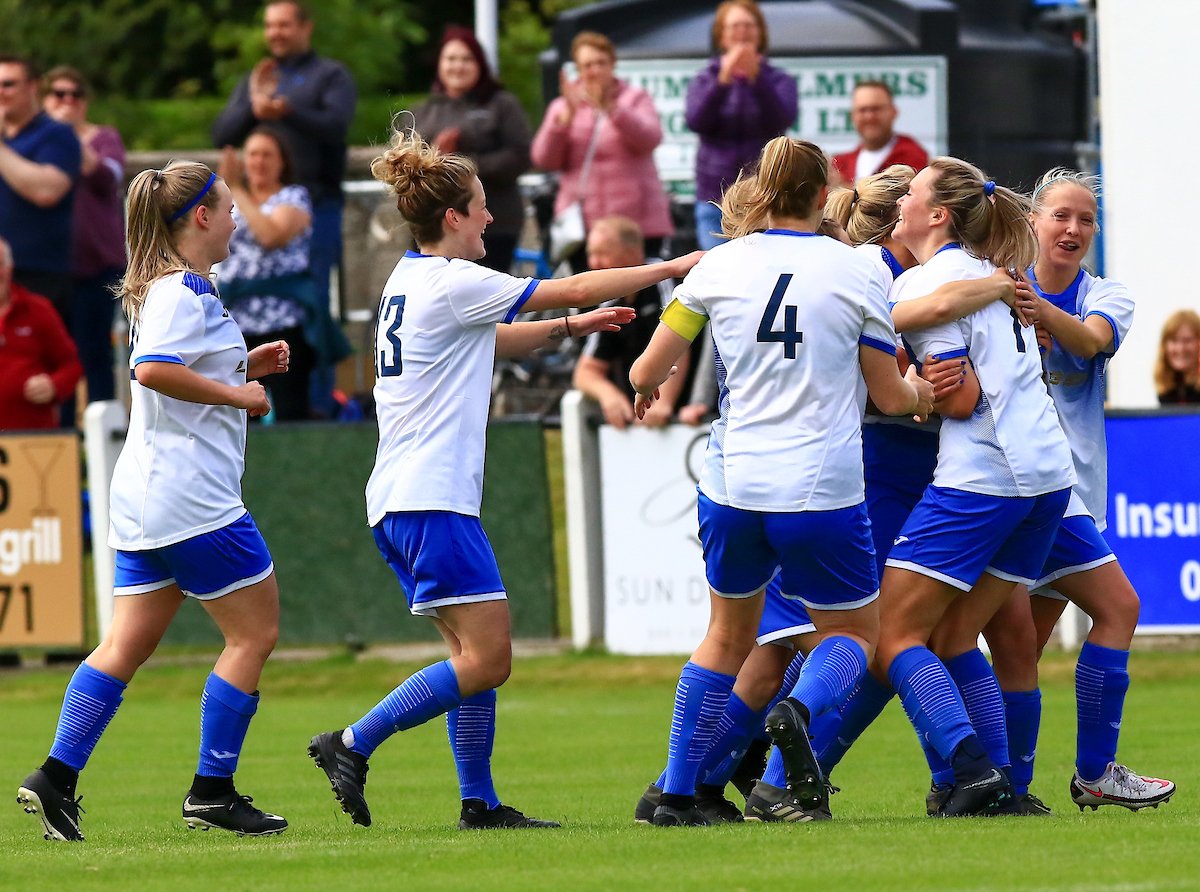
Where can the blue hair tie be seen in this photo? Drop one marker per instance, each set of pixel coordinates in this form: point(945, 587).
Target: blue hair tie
point(989, 188)
point(212, 178)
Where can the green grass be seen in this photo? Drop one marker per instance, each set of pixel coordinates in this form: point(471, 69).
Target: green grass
point(579, 738)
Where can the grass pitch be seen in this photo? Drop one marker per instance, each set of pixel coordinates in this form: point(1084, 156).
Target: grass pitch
point(579, 738)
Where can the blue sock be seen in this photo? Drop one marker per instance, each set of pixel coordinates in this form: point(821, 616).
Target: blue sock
point(472, 729)
point(829, 674)
point(700, 700)
point(89, 703)
point(1023, 715)
point(836, 730)
point(931, 700)
point(980, 692)
point(733, 735)
point(774, 773)
point(423, 696)
point(225, 714)
point(1101, 680)
point(940, 771)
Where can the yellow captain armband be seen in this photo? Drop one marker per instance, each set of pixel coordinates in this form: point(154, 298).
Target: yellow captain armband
point(684, 322)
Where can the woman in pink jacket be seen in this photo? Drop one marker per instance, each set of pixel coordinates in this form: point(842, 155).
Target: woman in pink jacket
point(622, 178)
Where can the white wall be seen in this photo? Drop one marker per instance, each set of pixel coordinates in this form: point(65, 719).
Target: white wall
point(1149, 143)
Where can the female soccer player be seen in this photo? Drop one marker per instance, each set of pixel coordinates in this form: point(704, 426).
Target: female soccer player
point(1087, 319)
point(436, 342)
point(797, 319)
point(178, 523)
point(1002, 481)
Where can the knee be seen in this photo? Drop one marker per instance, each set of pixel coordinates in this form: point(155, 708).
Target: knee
point(1120, 612)
point(487, 669)
point(259, 641)
point(758, 688)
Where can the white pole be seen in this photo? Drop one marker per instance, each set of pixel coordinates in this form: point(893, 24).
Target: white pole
point(487, 31)
point(585, 543)
point(103, 434)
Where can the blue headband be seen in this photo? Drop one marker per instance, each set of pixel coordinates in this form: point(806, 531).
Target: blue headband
point(212, 178)
point(989, 188)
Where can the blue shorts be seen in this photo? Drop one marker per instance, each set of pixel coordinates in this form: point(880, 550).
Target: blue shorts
point(782, 618)
point(825, 558)
point(440, 557)
point(204, 567)
point(956, 536)
point(1079, 546)
point(898, 463)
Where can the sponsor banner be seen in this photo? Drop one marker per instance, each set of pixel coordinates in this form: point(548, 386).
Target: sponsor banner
point(824, 84)
point(655, 594)
point(41, 573)
point(1154, 515)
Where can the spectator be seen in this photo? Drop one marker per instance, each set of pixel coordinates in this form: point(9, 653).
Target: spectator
point(311, 99)
point(98, 231)
point(38, 363)
point(735, 105)
point(469, 112)
point(602, 371)
point(622, 179)
point(39, 163)
point(873, 111)
point(265, 281)
point(1177, 370)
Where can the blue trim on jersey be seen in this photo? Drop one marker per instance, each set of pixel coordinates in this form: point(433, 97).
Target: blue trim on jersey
point(950, 354)
point(1066, 300)
point(525, 295)
point(890, 259)
point(1116, 335)
point(791, 232)
point(951, 246)
point(868, 341)
point(416, 254)
point(157, 357)
point(198, 284)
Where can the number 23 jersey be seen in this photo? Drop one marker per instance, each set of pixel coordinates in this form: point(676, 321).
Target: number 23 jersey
point(789, 311)
point(435, 351)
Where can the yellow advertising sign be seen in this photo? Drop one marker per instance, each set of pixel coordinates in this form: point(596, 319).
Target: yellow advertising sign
point(41, 548)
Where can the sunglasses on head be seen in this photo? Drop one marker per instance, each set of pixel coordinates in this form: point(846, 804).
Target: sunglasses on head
point(67, 94)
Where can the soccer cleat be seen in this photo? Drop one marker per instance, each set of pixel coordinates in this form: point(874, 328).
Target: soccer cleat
point(59, 813)
point(716, 808)
point(936, 797)
point(1120, 786)
point(788, 729)
point(231, 812)
point(670, 816)
point(643, 812)
point(477, 816)
point(769, 804)
point(984, 796)
point(1026, 806)
point(347, 773)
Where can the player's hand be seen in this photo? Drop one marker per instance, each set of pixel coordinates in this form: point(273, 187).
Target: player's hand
point(946, 375)
point(643, 401)
point(924, 394)
point(617, 411)
point(1044, 338)
point(269, 359)
point(606, 319)
point(681, 266)
point(39, 389)
point(252, 397)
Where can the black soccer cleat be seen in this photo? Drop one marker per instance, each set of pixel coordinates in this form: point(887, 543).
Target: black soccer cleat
point(750, 770)
point(788, 728)
point(987, 795)
point(769, 804)
point(711, 803)
point(58, 812)
point(643, 812)
point(477, 816)
point(1026, 806)
point(670, 816)
point(936, 797)
point(231, 812)
point(347, 773)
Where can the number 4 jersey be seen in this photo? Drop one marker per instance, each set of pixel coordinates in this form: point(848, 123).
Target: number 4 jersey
point(435, 351)
point(1012, 445)
point(789, 311)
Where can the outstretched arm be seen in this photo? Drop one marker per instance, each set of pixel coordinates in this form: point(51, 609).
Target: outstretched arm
point(598, 285)
point(522, 338)
point(954, 300)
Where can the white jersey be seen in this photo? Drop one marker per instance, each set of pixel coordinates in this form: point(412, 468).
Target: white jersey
point(435, 352)
point(1012, 445)
point(788, 312)
point(180, 472)
point(1077, 386)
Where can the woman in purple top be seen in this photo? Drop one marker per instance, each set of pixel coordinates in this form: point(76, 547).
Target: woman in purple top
point(735, 105)
point(98, 228)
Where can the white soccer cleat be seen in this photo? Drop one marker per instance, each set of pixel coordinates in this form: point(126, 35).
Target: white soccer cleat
point(1120, 786)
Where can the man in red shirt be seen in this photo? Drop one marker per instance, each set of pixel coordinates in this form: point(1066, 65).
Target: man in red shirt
point(873, 112)
point(38, 363)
